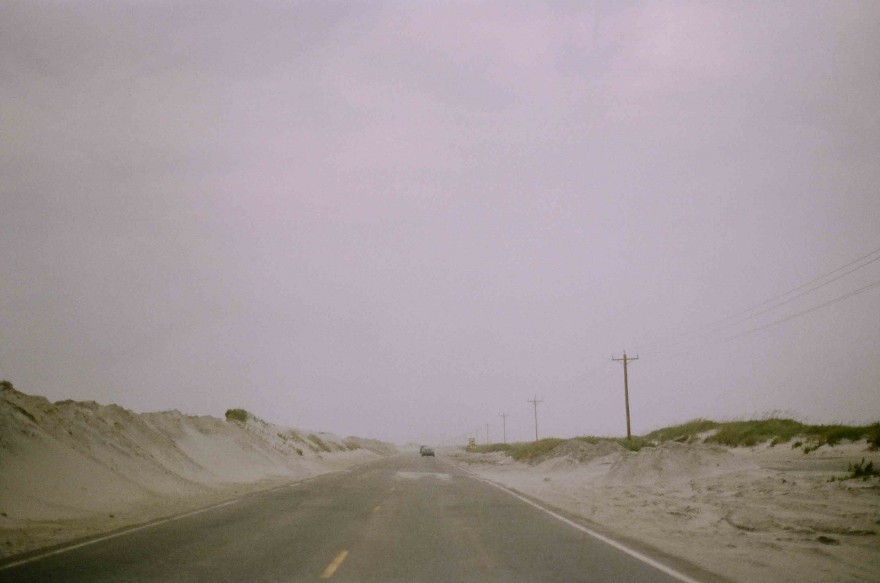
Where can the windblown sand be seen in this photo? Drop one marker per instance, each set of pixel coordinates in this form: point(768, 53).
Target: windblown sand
point(763, 514)
point(73, 469)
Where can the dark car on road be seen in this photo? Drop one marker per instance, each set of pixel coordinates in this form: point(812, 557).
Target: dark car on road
point(425, 450)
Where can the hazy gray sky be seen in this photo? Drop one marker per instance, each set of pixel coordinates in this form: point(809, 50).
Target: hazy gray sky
point(402, 219)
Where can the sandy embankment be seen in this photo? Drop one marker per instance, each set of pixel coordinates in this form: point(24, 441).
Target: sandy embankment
point(72, 469)
point(747, 514)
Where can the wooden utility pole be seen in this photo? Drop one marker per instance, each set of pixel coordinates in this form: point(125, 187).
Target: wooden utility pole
point(535, 402)
point(625, 360)
point(504, 425)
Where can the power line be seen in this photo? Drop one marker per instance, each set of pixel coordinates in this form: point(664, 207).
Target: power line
point(830, 302)
point(813, 309)
point(808, 287)
point(814, 280)
point(791, 299)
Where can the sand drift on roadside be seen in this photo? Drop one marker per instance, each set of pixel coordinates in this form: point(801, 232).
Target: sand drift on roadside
point(748, 514)
point(70, 469)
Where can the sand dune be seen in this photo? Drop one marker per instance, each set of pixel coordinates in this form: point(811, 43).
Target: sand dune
point(761, 514)
point(69, 469)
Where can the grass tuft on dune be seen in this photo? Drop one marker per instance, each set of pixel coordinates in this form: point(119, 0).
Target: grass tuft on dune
point(774, 430)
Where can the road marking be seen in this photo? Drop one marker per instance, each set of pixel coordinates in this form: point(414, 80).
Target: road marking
point(331, 568)
point(419, 475)
point(619, 546)
point(376, 509)
point(170, 519)
point(114, 535)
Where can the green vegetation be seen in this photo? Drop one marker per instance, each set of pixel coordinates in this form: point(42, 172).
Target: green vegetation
point(530, 450)
point(774, 430)
point(834, 434)
point(685, 432)
point(237, 415)
point(491, 447)
point(863, 470)
point(634, 444)
point(749, 433)
point(873, 436)
point(523, 451)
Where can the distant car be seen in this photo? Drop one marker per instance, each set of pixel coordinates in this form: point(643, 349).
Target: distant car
point(425, 450)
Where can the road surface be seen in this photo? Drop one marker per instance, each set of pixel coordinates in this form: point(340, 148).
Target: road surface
point(404, 518)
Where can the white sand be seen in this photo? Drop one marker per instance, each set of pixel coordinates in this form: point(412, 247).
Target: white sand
point(747, 514)
point(72, 469)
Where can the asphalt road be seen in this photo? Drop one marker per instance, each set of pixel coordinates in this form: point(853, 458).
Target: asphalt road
point(405, 518)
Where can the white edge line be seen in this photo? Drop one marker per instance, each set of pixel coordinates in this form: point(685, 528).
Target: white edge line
point(151, 524)
point(163, 521)
point(619, 546)
point(114, 535)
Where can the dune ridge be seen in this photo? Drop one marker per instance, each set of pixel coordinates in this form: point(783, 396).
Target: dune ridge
point(70, 468)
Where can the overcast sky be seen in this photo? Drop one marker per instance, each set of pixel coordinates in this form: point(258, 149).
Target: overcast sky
point(399, 220)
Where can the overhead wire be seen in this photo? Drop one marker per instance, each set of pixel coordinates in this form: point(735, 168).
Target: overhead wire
point(808, 287)
point(791, 299)
point(830, 302)
point(803, 312)
point(768, 306)
point(812, 281)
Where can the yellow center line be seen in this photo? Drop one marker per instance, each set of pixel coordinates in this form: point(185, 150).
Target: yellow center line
point(331, 568)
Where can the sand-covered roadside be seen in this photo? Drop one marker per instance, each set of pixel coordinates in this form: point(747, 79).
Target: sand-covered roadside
point(760, 514)
point(72, 469)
